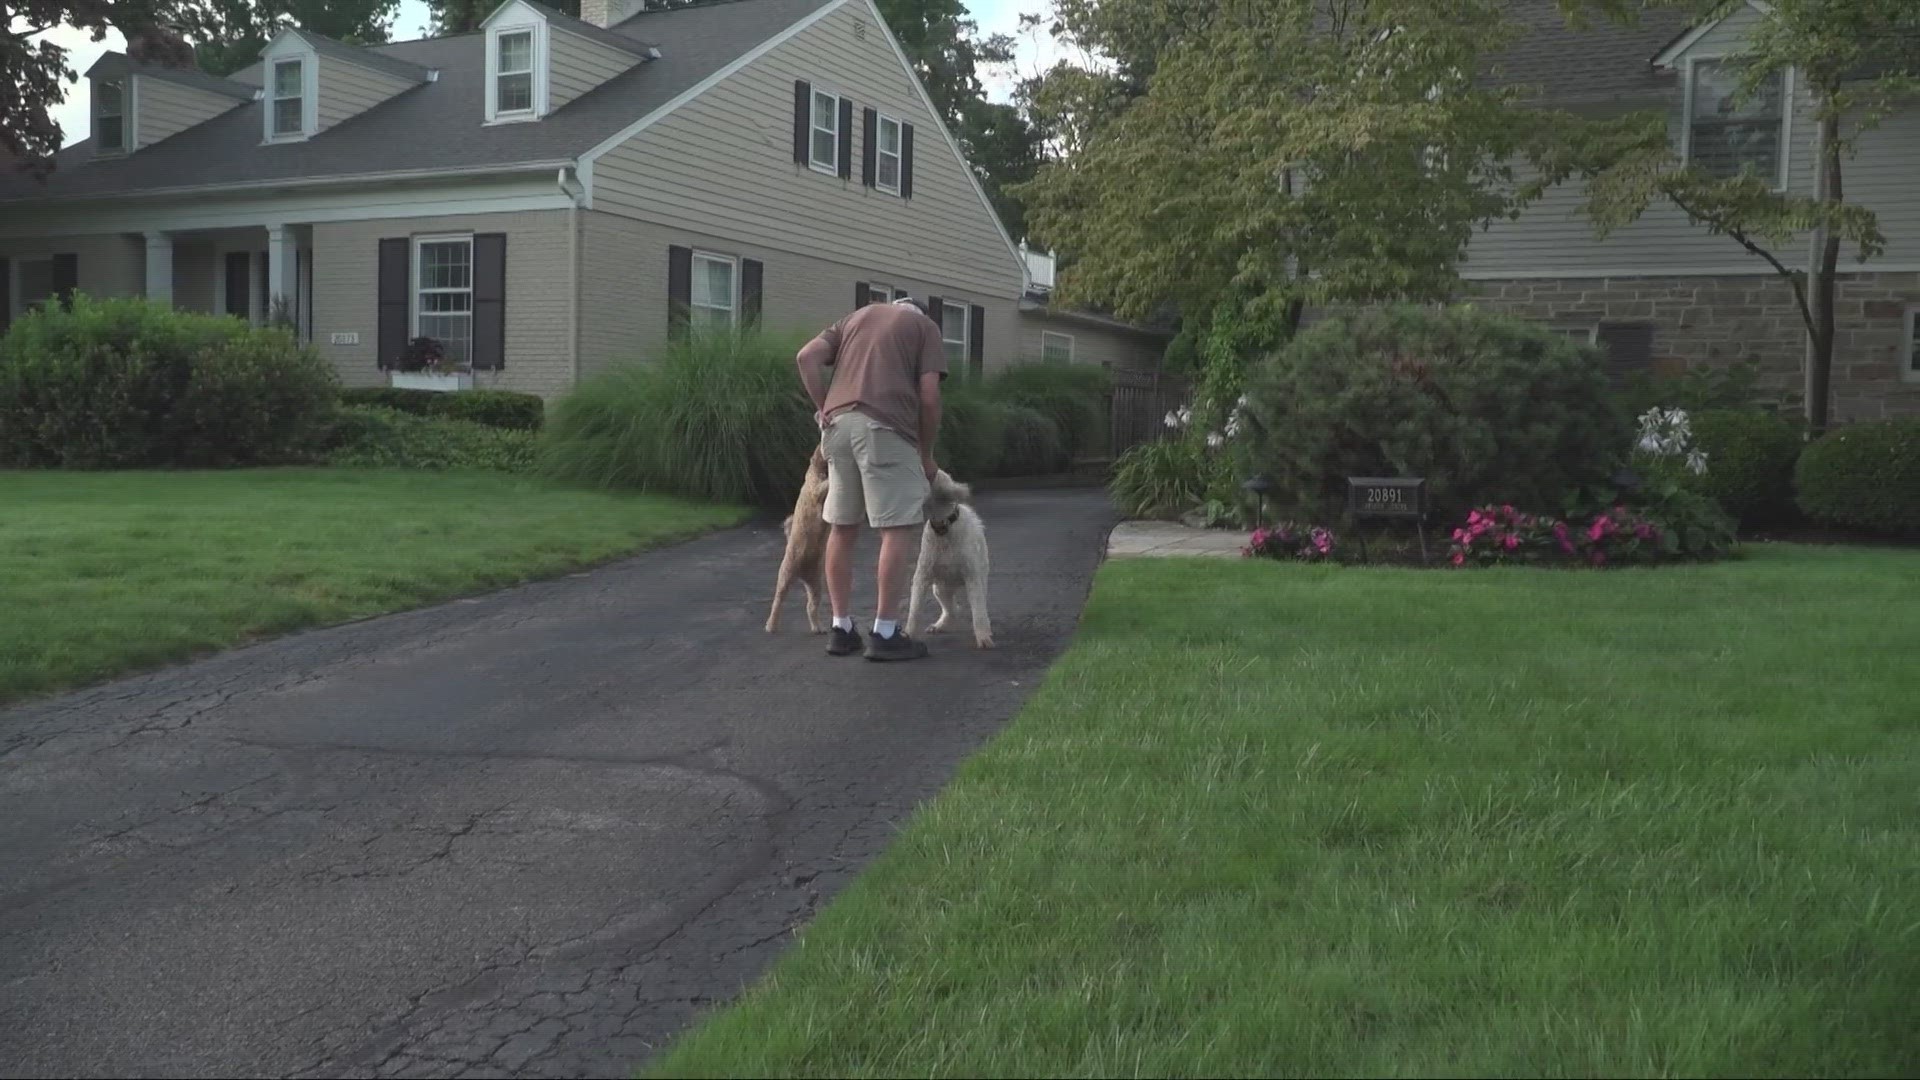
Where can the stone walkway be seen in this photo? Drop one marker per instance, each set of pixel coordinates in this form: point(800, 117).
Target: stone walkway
point(1166, 539)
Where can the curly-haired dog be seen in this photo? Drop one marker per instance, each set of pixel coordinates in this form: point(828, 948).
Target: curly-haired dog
point(805, 560)
point(953, 561)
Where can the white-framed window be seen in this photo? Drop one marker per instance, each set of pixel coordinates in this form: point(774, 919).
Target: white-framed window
point(1725, 135)
point(1910, 359)
point(1578, 333)
point(443, 293)
point(823, 146)
point(110, 115)
point(953, 331)
point(887, 155)
point(715, 298)
point(1056, 348)
point(513, 75)
point(287, 99)
point(883, 294)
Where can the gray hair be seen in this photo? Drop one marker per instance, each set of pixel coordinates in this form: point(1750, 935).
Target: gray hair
point(916, 305)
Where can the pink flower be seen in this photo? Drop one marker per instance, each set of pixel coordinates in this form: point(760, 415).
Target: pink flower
point(1510, 541)
point(1600, 528)
point(1599, 558)
point(1560, 529)
point(1507, 510)
point(1566, 545)
point(1644, 532)
point(1473, 517)
point(1459, 534)
point(1459, 558)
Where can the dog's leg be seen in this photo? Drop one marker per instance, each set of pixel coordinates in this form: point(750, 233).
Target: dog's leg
point(977, 605)
point(780, 588)
point(918, 597)
point(815, 584)
point(947, 601)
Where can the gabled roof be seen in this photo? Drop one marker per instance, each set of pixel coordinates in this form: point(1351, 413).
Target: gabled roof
point(114, 63)
point(355, 54)
point(560, 20)
point(435, 126)
point(1597, 62)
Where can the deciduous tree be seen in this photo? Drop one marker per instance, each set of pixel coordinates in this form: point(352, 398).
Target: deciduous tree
point(35, 72)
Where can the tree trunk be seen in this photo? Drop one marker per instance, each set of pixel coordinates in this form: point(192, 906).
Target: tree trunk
point(1820, 286)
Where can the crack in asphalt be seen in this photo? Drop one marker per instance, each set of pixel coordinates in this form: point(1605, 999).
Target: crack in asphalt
point(535, 833)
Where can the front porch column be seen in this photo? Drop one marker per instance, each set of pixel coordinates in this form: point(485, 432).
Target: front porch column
point(160, 268)
point(282, 271)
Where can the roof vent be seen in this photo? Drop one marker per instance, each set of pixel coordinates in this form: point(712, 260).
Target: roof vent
point(653, 53)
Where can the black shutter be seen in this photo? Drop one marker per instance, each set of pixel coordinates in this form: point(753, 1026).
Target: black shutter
point(862, 296)
point(66, 278)
point(899, 294)
point(396, 272)
point(870, 150)
point(937, 312)
point(1628, 348)
point(977, 340)
point(6, 295)
point(489, 301)
point(846, 139)
point(239, 272)
point(752, 282)
point(906, 161)
point(802, 121)
point(679, 290)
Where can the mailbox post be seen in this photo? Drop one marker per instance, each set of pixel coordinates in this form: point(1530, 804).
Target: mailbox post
point(1389, 499)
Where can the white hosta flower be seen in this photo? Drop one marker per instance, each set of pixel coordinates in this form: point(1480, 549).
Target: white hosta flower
point(1697, 462)
point(1214, 440)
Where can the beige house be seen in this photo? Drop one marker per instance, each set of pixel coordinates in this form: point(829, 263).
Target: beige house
point(1665, 294)
point(546, 196)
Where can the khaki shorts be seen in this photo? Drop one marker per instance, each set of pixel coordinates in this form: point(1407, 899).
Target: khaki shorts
point(873, 474)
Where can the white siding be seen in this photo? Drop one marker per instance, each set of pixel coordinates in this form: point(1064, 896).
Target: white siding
point(576, 65)
point(347, 90)
point(723, 164)
point(623, 297)
point(164, 109)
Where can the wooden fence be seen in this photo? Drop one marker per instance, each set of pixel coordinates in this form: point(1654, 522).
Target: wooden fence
point(1140, 404)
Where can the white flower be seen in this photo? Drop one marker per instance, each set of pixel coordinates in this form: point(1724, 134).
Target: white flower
point(1214, 439)
point(1697, 462)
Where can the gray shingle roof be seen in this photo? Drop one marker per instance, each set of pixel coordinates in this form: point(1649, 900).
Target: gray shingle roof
point(1598, 62)
point(368, 58)
point(117, 63)
point(436, 125)
point(560, 20)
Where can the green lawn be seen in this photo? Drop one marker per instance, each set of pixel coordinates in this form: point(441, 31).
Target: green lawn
point(1268, 819)
point(103, 573)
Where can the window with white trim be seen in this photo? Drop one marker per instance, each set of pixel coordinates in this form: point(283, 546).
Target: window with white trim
point(287, 98)
point(823, 148)
point(887, 155)
point(1727, 134)
point(513, 72)
point(110, 115)
point(1056, 348)
point(883, 294)
point(443, 293)
point(953, 332)
point(1910, 367)
point(1578, 333)
point(715, 297)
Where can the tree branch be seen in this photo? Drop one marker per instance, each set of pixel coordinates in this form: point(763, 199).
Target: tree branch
point(1739, 235)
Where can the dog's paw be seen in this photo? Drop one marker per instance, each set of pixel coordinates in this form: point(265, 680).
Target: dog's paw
point(983, 641)
point(816, 629)
point(937, 628)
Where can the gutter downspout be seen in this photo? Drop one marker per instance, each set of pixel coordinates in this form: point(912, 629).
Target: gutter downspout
point(1816, 245)
point(575, 194)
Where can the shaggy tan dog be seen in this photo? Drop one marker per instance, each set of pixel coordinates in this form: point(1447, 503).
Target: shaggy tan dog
point(806, 557)
point(953, 561)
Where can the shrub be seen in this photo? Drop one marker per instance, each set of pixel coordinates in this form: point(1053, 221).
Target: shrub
point(1864, 476)
point(1750, 460)
point(1073, 396)
point(495, 408)
point(1698, 389)
point(714, 416)
point(130, 384)
point(1031, 444)
point(973, 427)
point(1162, 479)
point(366, 436)
point(1486, 408)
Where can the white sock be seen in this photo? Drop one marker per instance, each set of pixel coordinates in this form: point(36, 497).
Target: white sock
point(843, 622)
point(884, 627)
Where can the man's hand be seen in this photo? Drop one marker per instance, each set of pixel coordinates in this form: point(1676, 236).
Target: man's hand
point(926, 462)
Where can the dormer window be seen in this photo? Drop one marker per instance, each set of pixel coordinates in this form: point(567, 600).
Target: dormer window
point(513, 83)
point(287, 100)
point(110, 115)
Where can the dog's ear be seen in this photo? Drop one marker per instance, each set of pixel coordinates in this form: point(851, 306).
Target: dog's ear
point(950, 488)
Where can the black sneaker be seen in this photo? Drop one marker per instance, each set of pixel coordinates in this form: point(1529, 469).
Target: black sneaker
point(843, 642)
point(897, 647)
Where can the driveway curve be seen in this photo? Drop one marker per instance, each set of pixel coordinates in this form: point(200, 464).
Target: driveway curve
point(533, 833)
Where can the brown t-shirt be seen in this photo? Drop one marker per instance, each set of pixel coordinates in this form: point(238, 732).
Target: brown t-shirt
point(879, 354)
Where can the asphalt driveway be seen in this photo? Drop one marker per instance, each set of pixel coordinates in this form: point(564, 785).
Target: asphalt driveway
point(531, 834)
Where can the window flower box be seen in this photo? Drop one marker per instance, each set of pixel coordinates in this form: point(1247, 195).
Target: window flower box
point(431, 380)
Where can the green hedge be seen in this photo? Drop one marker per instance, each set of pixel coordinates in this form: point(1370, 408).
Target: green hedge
point(1864, 476)
point(368, 436)
point(495, 408)
point(125, 384)
point(1750, 463)
point(1073, 396)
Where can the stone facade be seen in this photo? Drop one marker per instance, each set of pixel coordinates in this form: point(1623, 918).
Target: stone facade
point(1726, 320)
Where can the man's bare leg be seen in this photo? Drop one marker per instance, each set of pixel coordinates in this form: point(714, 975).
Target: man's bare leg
point(840, 544)
point(896, 557)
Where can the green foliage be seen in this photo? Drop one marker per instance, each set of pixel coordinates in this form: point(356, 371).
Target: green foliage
point(713, 416)
point(1031, 444)
point(229, 34)
point(973, 427)
point(1750, 460)
point(1864, 476)
point(1699, 388)
point(1355, 170)
point(367, 436)
point(1073, 396)
point(495, 408)
point(1162, 479)
point(116, 384)
point(1486, 408)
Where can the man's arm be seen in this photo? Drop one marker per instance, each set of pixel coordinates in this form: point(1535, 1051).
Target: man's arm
point(929, 419)
point(814, 358)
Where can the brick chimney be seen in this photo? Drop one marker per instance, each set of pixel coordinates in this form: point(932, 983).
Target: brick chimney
point(605, 12)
